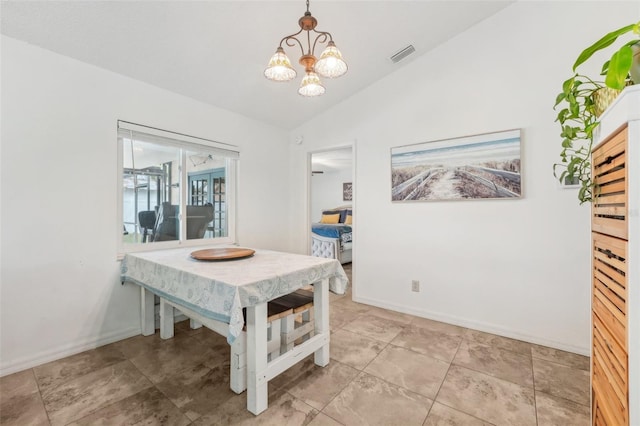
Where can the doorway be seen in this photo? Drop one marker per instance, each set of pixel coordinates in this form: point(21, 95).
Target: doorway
point(331, 190)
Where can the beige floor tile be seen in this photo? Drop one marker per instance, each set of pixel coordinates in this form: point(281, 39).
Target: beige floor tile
point(561, 381)
point(23, 409)
point(428, 342)
point(284, 410)
point(333, 297)
point(184, 327)
point(394, 316)
point(319, 385)
point(500, 342)
point(488, 398)
point(57, 372)
point(553, 411)
point(288, 377)
point(216, 346)
point(198, 390)
point(347, 304)
point(372, 401)
point(17, 385)
point(413, 371)
point(339, 318)
point(354, 350)
point(179, 354)
point(212, 339)
point(147, 407)
point(374, 327)
point(324, 420)
point(441, 415)
point(368, 381)
point(141, 345)
point(441, 327)
point(82, 396)
point(496, 362)
point(561, 357)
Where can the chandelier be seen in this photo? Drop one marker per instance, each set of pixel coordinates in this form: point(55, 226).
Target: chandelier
point(330, 64)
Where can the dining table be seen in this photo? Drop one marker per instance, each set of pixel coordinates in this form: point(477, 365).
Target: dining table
point(214, 293)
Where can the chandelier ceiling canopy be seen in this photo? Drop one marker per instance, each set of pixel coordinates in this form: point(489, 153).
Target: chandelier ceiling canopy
point(329, 65)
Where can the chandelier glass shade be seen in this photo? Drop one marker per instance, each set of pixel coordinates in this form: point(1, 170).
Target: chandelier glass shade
point(311, 85)
point(330, 64)
point(280, 68)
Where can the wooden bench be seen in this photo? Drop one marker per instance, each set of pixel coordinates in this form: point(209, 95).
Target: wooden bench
point(298, 326)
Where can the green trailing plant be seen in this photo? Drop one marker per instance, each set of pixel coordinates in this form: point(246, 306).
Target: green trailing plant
point(577, 111)
point(616, 70)
point(578, 121)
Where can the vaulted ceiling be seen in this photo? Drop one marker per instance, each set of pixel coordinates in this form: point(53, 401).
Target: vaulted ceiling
point(216, 51)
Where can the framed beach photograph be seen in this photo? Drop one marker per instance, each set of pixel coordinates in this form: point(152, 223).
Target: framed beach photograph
point(485, 166)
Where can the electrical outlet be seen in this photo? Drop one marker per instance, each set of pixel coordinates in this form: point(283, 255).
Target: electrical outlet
point(415, 286)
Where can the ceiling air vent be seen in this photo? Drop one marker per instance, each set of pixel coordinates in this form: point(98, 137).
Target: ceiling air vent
point(398, 56)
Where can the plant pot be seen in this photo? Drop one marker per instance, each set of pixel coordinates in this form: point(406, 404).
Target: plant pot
point(602, 98)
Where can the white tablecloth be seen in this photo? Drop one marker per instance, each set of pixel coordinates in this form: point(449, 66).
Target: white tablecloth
point(220, 289)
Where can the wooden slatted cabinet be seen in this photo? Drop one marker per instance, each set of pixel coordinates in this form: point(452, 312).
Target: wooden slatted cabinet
point(615, 362)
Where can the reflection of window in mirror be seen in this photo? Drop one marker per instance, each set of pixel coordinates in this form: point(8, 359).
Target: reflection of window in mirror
point(154, 201)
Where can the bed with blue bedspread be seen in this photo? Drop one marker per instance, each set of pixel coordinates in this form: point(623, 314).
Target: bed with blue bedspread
point(333, 240)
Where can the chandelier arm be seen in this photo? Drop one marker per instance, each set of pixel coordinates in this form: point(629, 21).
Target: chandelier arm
point(320, 38)
point(287, 40)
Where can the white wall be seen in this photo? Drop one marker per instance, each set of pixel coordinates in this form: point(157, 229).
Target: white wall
point(326, 191)
point(519, 268)
point(60, 289)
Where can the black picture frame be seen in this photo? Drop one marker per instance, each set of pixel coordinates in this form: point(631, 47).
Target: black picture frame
point(347, 191)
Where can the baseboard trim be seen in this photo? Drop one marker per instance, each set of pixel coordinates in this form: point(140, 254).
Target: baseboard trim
point(476, 325)
point(66, 350)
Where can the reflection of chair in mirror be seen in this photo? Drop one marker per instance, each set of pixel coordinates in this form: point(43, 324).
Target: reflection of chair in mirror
point(147, 220)
point(198, 217)
point(166, 224)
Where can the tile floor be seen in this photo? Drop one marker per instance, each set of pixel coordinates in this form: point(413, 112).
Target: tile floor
point(386, 368)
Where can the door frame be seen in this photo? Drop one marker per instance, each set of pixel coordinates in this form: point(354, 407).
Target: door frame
point(353, 145)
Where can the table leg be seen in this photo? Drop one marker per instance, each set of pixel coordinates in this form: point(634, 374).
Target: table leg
point(321, 315)
point(147, 312)
point(166, 319)
point(257, 397)
point(238, 374)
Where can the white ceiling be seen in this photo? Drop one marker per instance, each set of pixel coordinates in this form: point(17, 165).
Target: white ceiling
point(216, 51)
point(332, 161)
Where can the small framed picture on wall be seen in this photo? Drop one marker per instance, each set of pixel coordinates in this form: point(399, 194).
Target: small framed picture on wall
point(347, 191)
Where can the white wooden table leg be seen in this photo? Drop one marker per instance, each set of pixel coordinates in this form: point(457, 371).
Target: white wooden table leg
point(257, 397)
point(166, 319)
point(321, 315)
point(147, 312)
point(194, 324)
point(238, 373)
